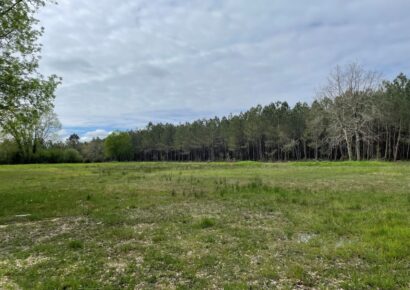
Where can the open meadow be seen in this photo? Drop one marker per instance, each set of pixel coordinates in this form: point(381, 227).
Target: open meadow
point(205, 225)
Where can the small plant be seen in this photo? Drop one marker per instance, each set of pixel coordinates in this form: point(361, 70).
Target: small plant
point(75, 245)
point(206, 223)
point(152, 279)
point(198, 193)
point(209, 239)
point(298, 272)
point(221, 192)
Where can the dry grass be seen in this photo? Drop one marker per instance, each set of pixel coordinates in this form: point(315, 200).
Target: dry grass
point(218, 225)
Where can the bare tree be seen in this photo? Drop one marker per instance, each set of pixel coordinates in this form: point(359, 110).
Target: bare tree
point(348, 98)
point(47, 128)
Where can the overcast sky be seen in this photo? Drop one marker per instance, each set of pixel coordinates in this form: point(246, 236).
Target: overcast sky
point(125, 63)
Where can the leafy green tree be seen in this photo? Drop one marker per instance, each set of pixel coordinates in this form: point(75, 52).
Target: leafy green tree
point(73, 141)
point(236, 138)
point(118, 146)
point(254, 132)
point(8, 152)
point(25, 94)
point(396, 108)
point(71, 155)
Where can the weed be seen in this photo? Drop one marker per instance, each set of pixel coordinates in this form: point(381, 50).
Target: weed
point(205, 223)
point(75, 244)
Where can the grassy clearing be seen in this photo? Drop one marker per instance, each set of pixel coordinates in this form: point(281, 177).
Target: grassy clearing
point(205, 225)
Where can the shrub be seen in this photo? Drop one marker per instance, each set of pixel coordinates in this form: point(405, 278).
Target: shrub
point(72, 156)
point(58, 155)
point(51, 155)
point(8, 152)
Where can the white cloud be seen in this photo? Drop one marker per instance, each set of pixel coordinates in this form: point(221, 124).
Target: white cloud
point(125, 63)
point(98, 133)
point(63, 134)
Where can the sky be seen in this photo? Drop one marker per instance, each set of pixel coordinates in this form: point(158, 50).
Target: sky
point(126, 63)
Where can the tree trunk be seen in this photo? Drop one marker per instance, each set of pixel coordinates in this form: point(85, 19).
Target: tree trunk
point(396, 150)
point(368, 150)
point(378, 153)
point(349, 145)
point(357, 146)
point(386, 150)
point(304, 149)
point(408, 149)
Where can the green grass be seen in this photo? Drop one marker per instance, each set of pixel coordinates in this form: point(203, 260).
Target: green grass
point(205, 225)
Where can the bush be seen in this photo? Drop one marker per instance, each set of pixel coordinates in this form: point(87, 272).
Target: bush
point(8, 152)
point(58, 155)
point(93, 151)
point(72, 156)
point(51, 155)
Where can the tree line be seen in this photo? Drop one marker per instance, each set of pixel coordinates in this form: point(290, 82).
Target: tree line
point(354, 117)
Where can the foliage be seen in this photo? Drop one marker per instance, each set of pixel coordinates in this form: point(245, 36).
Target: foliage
point(57, 155)
point(72, 156)
point(8, 152)
point(25, 95)
point(93, 151)
point(118, 146)
point(73, 140)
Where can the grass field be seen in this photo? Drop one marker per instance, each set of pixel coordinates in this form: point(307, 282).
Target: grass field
point(205, 225)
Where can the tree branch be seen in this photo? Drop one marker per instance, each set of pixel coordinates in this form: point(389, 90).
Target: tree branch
point(2, 13)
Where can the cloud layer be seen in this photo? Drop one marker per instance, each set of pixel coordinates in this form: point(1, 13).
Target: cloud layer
point(128, 62)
